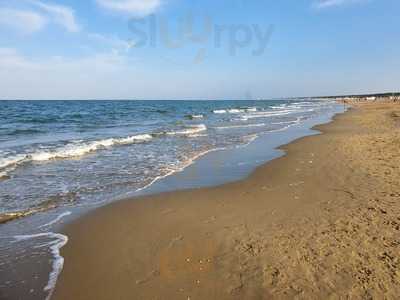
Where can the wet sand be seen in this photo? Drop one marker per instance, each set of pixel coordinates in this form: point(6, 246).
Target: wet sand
point(322, 221)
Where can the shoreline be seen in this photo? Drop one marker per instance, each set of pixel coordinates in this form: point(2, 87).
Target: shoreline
point(228, 169)
point(318, 128)
point(69, 228)
point(10, 216)
point(253, 238)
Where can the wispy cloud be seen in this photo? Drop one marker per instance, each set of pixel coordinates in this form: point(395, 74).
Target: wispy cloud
point(132, 7)
point(60, 14)
point(59, 75)
point(11, 59)
point(24, 21)
point(116, 44)
point(332, 3)
point(33, 15)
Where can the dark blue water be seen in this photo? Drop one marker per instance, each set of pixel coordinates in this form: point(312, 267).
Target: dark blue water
point(55, 153)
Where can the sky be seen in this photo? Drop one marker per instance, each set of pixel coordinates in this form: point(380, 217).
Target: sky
point(197, 49)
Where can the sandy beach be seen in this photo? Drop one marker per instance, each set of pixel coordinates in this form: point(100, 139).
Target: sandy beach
point(321, 222)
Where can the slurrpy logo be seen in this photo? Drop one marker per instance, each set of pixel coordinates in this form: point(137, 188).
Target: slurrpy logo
point(200, 34)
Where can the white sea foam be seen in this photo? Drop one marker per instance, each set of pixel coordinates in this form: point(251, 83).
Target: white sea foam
point(235, 110)
point(249, 139)
point(4, 162)
point(80, 148)
point(9, 161)
point(288, 125)
point(58, 241)
point(190, 130)
point(196, 135)
point(305, 103)
point(186, 164)
point(57, 219)
point(266, 114)
point(74, 149)
point(134, 139)
point(219, 111)
point(293, 122)
point(241, 126)
point(281, 106)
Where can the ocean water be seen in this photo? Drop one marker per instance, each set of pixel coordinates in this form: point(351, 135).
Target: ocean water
point(60, 159)
point(66, 153)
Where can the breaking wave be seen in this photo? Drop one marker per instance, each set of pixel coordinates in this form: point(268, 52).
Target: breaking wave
point(235, 110)
point(77, 149)
point(195, 117)
point(190, 130)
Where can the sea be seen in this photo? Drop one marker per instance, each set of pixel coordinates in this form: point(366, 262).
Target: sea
point(57, 156)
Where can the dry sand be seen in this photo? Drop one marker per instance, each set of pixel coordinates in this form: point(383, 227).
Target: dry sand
point(321, 222)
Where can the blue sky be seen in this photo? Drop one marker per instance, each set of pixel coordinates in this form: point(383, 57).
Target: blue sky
point(176, 49)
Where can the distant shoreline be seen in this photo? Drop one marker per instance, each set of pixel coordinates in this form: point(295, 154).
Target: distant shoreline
point(383, 96)
point(338, 96)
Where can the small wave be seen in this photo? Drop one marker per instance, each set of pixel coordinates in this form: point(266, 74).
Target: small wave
point(64, 214)
point(58, 241)
point(134, 139)
point(249, 139)
point(281, 106)
point(219, 111)
point(194, 117)
point(69, 151)
point(251, 109)
point(267, 114)
point(241, 126)
point(9, 164)
point(304, 103)
point(235, 110)
point(79, 148)
point(8, 161)
point(190, 130)
point(287, 122)
point(197, 135)
point(186, 164)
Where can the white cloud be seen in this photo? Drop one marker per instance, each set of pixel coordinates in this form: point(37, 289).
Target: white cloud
point(10, 58)
point(332, 3)
point(24, 21)
point(60, 14)
point(35, 15)
point(132, 7)
point(99, 75)
point(117, 45)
